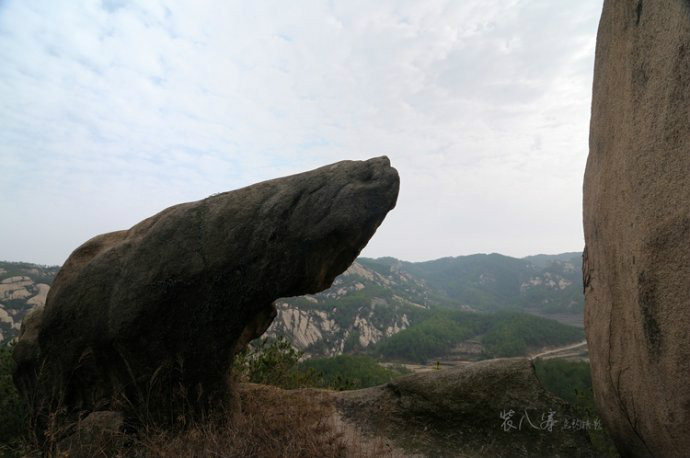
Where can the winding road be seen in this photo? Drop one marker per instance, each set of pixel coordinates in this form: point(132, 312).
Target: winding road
point(559, 349)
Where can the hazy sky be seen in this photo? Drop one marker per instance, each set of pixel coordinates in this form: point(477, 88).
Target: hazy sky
point(111, 111)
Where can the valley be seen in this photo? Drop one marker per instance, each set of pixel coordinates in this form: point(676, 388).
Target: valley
point(450, 310)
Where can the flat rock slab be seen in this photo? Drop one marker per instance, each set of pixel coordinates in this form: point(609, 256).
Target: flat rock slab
point(495, 408)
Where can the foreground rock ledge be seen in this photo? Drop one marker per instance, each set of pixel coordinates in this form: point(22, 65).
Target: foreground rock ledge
point(152, 316)
point(457, 413)
point(637, 226)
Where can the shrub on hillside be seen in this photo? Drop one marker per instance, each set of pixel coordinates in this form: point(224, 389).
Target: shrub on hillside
point(275, 362)
point(351, 372)
point(12, 409)
point(272, 362)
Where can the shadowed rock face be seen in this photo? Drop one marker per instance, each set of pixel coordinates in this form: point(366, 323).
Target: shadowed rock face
point(637, 226)
point(168, 302)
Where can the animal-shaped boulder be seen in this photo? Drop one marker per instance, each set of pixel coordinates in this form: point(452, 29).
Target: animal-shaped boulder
point(153, 315)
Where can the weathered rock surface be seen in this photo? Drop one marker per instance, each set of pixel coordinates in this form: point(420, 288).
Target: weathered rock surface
point(165, 304)
point(636, 222)
point(457, 412)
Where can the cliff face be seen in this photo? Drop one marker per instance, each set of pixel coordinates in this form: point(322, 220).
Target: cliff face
point(23, 286)
point(362, 307)
point(636, 222)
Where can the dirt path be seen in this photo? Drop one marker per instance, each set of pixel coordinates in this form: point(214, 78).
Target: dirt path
point(445, 363)
point(559, 349)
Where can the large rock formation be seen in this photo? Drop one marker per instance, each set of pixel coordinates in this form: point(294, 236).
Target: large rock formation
point(146, 314)
point(636, 221)
point(494, 408)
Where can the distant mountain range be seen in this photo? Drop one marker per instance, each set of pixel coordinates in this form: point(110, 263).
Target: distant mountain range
point(375, 298)
point(542, 283)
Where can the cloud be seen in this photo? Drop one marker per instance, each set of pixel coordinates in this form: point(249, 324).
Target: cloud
point(113, 110)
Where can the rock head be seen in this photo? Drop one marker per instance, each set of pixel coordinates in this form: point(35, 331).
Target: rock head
point(637, 226)
point(144, 314)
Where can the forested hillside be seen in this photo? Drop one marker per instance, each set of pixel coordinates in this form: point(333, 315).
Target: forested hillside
point(475, 336)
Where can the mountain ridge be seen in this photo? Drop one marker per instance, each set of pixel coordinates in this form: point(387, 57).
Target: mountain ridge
point(376, 298)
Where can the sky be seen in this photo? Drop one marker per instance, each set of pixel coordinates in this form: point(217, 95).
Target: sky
point(112, 110)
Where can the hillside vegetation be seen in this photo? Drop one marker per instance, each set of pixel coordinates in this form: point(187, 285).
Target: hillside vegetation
point(572, 381)
point(12, 410)
point(501, 334)
point(268, 422)
point(350, 372)
point(276, 362)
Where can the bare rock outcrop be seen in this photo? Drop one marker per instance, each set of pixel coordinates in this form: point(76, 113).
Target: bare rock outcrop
point(636, 221)
point(145, 314)
point(494, 408)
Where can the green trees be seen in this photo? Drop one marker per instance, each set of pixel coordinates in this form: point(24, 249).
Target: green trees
point(272, 362)
point(569, 380)
point(351, 372)
point(432, 337)
point(572, 381)
point(502, 334)
point(276, 362)
point(513, 333)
